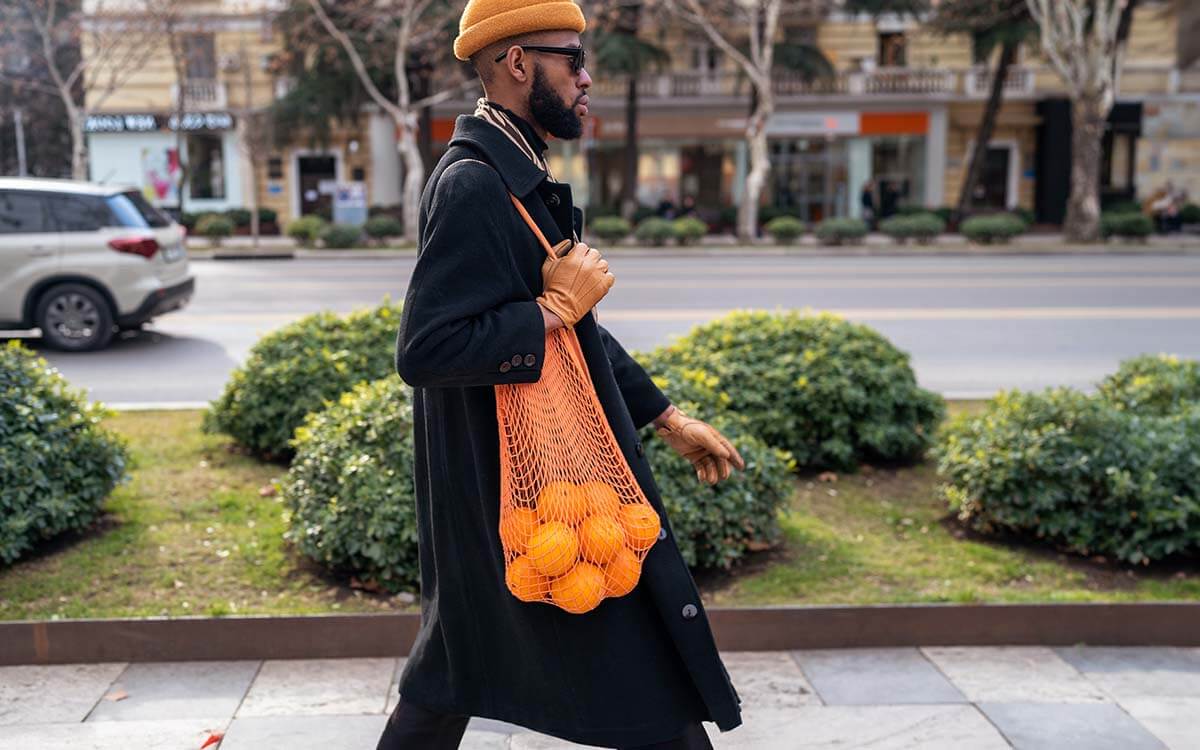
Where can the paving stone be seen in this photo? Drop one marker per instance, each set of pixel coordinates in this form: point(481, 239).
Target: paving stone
point(769, 679)
point(1053, 726)
point(303, 732)
point(875, 676)
point(1172, 720)
point(319, 686)
point(49, 694)
point(1138, 672)
point(1013, 674)
point(913, 727)
point(178, 690)
point(162, 734)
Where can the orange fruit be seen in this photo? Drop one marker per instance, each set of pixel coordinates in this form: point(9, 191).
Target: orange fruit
point(553, 548)
point(602, 499)
point(561, 501)
point(621, 575)
point(515, 527)
point(579, 590)
point(524, 580)
point(600, 537)
point(641, 525)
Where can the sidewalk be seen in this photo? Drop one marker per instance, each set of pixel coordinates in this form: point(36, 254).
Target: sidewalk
point(1090, 698)
point(874, 245)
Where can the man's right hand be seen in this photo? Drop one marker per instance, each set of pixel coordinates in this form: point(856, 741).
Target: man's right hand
point(574, 283)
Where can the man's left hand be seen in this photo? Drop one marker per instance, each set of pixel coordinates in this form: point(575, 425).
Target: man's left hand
point(709, 452)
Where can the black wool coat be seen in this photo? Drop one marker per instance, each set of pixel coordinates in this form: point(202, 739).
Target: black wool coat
point(636, 669)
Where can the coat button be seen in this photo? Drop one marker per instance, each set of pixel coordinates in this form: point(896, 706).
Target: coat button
point(530, 360)
point(662, 534)
point(552, 199)
point(641, 449)
point(689, 611)
point(505, 366)
point(516, 360)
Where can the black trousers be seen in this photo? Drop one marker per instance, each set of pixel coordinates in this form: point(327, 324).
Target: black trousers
point(414, 728)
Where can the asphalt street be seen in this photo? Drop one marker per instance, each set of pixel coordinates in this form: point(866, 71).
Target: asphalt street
point(973, 325)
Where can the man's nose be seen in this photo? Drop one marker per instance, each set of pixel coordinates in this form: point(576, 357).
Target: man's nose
point(585, 80)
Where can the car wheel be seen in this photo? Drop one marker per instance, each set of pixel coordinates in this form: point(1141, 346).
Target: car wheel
point(74, 318)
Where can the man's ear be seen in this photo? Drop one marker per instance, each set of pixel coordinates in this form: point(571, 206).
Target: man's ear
point(518, 66)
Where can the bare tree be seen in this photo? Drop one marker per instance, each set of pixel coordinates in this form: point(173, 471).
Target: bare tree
point(1083, 41)
point(414, 22)
point(726, 23)
point(120, 39)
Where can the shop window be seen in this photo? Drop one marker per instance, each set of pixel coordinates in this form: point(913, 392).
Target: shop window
point(358, 174)
point(275, 168)
point(200, 56)
point(206, 166)
point(893, 49)
point(1118, 161)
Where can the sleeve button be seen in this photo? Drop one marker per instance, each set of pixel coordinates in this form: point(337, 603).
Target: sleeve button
point(516, 360)
point(530, 360)
point(505, 366)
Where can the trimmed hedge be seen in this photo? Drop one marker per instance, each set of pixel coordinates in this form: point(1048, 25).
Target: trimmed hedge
point(610, 228)
point(306, 229)
point(688, 229)
point(383, 226)
point(1126, 226)
point(1158, 385)
point(922, 227)
point(785, 229)
point(214, 227)
point(1076, 471)
point(831, 392)
point(57, 464)
point(655, 230)
point(348, 496)
point(837, 231)
point(996, 228)
point(341, 236)
point(296, 369)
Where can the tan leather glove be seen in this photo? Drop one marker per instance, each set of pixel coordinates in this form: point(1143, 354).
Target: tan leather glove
point(710, 453)
point(574, 283)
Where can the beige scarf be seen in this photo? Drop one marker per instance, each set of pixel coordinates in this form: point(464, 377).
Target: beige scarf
point(489, 113)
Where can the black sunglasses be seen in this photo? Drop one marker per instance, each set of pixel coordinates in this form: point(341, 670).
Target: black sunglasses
point(576, 54)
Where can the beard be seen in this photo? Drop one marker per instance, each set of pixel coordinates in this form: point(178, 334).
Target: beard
point(551, 113)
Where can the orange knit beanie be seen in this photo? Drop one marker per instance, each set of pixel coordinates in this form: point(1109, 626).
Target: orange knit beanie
point(486, 22)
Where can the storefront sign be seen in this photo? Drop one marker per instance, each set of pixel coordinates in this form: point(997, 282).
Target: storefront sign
point(147, 123)
point(350, 203)
point(813, 123)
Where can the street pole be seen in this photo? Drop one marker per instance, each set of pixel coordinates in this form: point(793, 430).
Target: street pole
point(20, 128)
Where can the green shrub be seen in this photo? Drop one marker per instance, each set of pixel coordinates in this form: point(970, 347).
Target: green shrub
point(348, 495)
point(995, 228)
point(57, 464)
point(922, 227)
point(831, 392)
point(188, 221)
point(296, 369)
point(214, 227)
point(1126, 226)
point(383, 226)
point(239, 216)
point(611, 228)
point(689, 229)
point(1153, 385)
point(1190, 214)
point(1073, 470)
point(785, 229)
point(1026, 215)
point(341, 236)
point(837, 231)
point(655, 231)
point(268, 215)
point(306, 229)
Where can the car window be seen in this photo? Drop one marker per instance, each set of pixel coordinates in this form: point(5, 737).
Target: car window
point(133, 210)
point(80, 213)
point(22, 213)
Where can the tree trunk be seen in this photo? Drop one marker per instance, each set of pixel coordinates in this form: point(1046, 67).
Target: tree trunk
point(1087, 139)
point(414, 174)
point(987, 126)
point(79, 165)
point(760, 167)
point(629, 201)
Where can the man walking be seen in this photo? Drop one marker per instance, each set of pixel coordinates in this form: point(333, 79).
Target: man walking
point(638, 671)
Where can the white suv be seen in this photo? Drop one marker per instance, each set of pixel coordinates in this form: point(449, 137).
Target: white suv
point(81, 261)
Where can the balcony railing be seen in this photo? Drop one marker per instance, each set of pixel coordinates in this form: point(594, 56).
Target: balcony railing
point(689, 84)
point(200, 93)
point(977, 82)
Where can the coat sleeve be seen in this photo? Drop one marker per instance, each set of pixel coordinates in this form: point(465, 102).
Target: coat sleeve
point(643, 398)
point(467, 316)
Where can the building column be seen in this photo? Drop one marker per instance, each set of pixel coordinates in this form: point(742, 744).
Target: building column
point(935, 158)
point(858, 154)
point(740, 169)
point(385, 188)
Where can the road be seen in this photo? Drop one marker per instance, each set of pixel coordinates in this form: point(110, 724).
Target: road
point(973, 325)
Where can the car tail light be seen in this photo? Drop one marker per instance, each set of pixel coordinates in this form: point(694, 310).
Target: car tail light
point(143, 246)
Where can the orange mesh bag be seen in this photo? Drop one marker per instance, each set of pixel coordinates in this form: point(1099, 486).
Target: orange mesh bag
point(574, 524)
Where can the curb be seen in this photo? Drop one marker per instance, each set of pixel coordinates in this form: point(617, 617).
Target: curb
point(735, 629)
